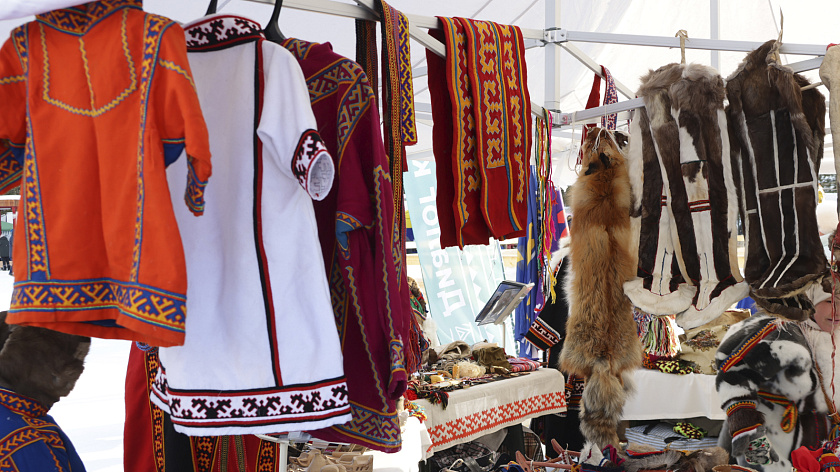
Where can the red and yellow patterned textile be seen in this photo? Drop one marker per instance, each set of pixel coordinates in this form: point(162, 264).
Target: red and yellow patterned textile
point(95, 99)
point(356, 226)
point(461, 160)
point(487, 98)
point(499, 81)
point(151, 444)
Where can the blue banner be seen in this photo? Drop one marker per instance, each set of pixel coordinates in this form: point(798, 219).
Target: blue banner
point(457, 282)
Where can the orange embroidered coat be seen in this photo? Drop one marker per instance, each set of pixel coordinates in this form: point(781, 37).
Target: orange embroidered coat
point(95, 99)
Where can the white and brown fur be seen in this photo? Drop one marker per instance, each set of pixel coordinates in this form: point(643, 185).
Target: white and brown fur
point(776, 135)
point(686, 209)
point(39, 363)
point(601, 341)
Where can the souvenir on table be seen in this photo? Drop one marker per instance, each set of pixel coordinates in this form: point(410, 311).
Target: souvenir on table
point(125, 103)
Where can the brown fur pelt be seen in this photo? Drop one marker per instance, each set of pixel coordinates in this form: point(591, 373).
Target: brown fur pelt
point(776, 135)
point(40, 363)
point(601, 341)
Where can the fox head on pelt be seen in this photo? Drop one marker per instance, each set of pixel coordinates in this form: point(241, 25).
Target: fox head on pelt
point(39, 363)
point(603, 149)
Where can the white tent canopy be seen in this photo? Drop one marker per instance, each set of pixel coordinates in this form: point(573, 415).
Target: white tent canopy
point(567, 85)
point(743, 20)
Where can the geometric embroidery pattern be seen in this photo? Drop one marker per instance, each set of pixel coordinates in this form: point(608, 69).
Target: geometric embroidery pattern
point(144, 303)
point(408, 127)
point(34, 428)
point(472, 426)
point(464, 149)
point(203, 451)
point(298, 48)
point(276, 406)
point(497, 75)
point(397, 356)
point(194, 195)
point(20, 404)
point(221, 32)
point(152, 363)
point(542, 335)
point(310, 148)
point(33, 221)
point(373, 426)
point(267, 457)
point(78, 20)
point(10, 169)
point(154, 29)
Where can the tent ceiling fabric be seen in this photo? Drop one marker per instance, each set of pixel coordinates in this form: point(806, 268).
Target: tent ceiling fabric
point(747, 20)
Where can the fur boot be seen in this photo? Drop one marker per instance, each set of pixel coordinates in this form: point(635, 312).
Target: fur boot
point(776, 136)
point(601, 343)
point(687, 242)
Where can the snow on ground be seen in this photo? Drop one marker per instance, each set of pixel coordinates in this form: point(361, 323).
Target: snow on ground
point(94, 412)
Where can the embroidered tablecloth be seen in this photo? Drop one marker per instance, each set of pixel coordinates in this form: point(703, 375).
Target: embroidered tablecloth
point(484, 409)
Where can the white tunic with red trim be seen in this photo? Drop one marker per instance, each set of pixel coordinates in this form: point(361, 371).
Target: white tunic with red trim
point(262, 353)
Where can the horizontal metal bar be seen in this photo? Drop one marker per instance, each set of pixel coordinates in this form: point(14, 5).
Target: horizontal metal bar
point(325, 6)
point(808, 64)
point(352, 11)
point(565, 119)
point(691, 43)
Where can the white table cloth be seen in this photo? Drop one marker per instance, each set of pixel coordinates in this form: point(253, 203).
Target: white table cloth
point(484, 409)
point(671, 396)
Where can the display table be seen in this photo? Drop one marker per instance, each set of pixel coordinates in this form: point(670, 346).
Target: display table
point(671, 396)
point(484, 409)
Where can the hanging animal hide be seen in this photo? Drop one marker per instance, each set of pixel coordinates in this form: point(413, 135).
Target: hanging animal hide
point(830, 76)
point(686, 210)
point(601, 344)
point(776, 136)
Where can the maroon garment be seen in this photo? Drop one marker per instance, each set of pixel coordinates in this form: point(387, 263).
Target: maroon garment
point(360, 243)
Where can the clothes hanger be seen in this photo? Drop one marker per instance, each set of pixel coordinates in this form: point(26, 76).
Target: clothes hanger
point(211, 8)
point(272, 30)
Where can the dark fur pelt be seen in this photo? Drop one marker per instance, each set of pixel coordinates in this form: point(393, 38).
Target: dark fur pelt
point(776, 133)
point(601, 341)
point(40, 363)
point(686, 203)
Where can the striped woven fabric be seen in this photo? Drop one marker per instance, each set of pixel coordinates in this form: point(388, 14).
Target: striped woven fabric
point(481, 96)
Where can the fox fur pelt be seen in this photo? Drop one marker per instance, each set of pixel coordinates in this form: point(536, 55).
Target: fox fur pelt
point(685, 202)
point(776, 135)
point(601, 341)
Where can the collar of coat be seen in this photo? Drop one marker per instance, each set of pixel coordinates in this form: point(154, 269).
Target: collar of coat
point(78, 20)
point(20, 404)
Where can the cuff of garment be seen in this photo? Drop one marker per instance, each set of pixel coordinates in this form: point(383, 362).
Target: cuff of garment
point(198, 173)
point(399, 376)
point(741, 438)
